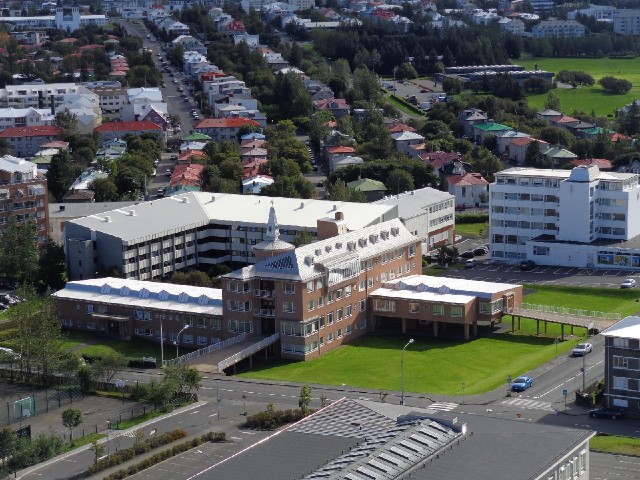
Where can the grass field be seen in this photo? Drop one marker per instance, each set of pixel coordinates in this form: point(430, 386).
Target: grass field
point(471, 229)
point(615, 444)
point(439, 366)
point(586, 99)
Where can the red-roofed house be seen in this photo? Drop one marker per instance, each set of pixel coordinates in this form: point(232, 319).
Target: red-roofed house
point(518, 148)
point(562, 121)
point(26, 141)
point(251, 167)
point(338, 106)
point(113, 130)
point(601, 163)
point(221, 129)
point(184, 157)
point(234, 27)
point(470, 189)
point(400, 127)
point(186, 175)
point(439, 159)
point(618, 137)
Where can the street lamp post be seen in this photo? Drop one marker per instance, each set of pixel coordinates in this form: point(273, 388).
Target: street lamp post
point(161, 345)
point(394, 80)
point(178, 339)
point(402, 371)
point(218, 397)
point(584, 372)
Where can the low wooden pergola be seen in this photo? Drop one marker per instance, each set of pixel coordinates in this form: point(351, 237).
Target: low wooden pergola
point(563, 316)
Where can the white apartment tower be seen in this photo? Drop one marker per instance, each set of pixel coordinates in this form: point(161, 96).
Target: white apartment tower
point(580, 217)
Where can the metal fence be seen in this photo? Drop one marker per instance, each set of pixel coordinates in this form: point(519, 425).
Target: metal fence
point(574, 312)
point(204, 351)
point(256, 347)
point(40, 402)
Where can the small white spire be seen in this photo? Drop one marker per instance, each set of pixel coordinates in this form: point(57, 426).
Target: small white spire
point(272, 226)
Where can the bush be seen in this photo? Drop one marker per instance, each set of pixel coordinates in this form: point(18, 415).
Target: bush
point(127, 454)
point(272, 419)
point(615, 85)
point(472, 218)
point(156, 458)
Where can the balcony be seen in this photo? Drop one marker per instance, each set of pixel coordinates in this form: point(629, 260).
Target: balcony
point(264, 293)
point(264, 312)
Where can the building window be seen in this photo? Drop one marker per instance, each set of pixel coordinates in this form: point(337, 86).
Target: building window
point(330, 337)
point(187, 338)
point(330, 297)
point(620, 383)
point(384, 305)
point(67, 323)
point(202, 340)
point(621, 342)
point(339, 315)
point(363, 305)
point(348, 329)
point(91, 325)
point(362, 324)
point(370, 282)
point(339, 333)
point(338, 294)
point(310, 286)
point(142, 315)
point(330, 318)
point(349, 310)
point(89, 308)
point(456, 311)
point(215, 323)
point(239, 326)
point(414, 307)
point(320, 301)
point(311, 305)
point(287, 307)
point(438, 309)
point(347, 290)
point(289, 288)
point(363, 285)
point(145, 332)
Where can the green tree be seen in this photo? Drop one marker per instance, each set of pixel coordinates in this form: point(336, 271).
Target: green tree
point(108, 366)
point(19, 252)
point(61, 174)
point(195, 278)
point(533, 156)
point(67, 122)
point(399, 181)
point(341, 193)
point(98, 451)
point(5, 146)
point(105, 190)
point(302, 237)
point(292, 98)
point(52, 266)
point(484, 162)
point(365, 86)
point(556, 136)
point(71, 418)
point(305, 399)
point(552, 102)
point(183, 377)
point(615, 85)
point(318, 128)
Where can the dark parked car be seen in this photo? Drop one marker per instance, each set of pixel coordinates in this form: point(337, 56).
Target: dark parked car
point(527, 265)
point(468, 254)
point(480, 251)
point(606, 412)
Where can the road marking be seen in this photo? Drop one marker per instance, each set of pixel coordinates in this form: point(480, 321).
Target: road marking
point(444, 406)
point(569, 379)
point(195, 411)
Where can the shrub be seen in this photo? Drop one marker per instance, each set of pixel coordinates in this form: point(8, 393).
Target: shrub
point(472, 217)
point(272, 419)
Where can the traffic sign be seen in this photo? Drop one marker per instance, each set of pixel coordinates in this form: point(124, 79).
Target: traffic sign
point(565, 392)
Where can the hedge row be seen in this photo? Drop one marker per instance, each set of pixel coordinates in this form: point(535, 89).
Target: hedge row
point(272, 419)
point(166, 454)
point(472, 217)
point(132, 362)
point(127, 454)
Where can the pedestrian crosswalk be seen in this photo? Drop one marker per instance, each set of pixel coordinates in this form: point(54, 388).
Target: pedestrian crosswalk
point(528, 404)
point(442, 406)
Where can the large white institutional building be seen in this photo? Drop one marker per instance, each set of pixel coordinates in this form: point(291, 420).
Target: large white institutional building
point(581, 217)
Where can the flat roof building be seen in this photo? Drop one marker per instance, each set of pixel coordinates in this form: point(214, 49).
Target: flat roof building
point(622, 364)
point(161, 236)
point(427, 213)
point(581, 217)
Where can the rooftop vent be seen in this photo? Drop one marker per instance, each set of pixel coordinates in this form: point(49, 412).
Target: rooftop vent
point(185, 200)
point(335, 207)
point(301, 204)
point(213, 198)
point(107, 219)
point(318, 251)
point(132, 213)
point(308, 261)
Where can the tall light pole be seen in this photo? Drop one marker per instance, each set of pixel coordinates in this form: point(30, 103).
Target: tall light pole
point(161, 345)
point(402, 371)
point(584, 371)
point(218, 397)
point(178, 339)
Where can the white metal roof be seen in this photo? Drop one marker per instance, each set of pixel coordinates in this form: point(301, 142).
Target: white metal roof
point(12, 164)
point(137, 293)
point(161, 217)
point(416, 202)
point(341, 255)
point(425, 287)
point(561, 174)
point(628, 327)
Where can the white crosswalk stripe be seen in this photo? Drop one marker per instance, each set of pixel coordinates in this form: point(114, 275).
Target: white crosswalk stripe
point(444, 406)
point(528, 404)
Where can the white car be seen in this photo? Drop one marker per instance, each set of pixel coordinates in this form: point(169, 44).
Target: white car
point(628, 283)
point(582, 349)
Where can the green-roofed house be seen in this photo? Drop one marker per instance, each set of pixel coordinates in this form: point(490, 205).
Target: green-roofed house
point(481, 130)
point(559, 156)
point(372, 189)
point(593, 133)
point(196, 137)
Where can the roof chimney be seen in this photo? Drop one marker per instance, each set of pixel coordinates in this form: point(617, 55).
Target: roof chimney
point(339, 216)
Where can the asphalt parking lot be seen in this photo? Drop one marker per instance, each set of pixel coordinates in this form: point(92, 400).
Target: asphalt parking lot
point(546, 275)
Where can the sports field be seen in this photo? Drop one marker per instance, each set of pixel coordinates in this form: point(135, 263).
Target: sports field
point(588, 99)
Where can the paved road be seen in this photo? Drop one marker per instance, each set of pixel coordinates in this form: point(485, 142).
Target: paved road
point(609, 467)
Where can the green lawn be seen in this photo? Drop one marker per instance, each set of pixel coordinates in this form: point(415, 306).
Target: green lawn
point(433, 366)
point(598, 299)
point(586, 99)
point(470, 229)
point(615, 444)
